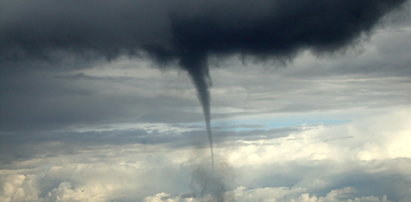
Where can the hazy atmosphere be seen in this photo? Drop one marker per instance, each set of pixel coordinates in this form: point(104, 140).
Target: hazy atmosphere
point(205, 100)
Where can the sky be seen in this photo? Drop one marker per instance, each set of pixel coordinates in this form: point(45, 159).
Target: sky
point(109, 100)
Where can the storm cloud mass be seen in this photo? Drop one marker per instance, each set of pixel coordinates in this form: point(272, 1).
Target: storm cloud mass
point(181, 29)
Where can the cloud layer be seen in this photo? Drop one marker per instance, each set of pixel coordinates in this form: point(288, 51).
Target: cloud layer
point(318, 163)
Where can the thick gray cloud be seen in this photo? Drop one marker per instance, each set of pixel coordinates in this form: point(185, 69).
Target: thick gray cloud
point(183, 29)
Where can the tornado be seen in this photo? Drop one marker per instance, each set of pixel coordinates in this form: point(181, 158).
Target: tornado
point(197, 68)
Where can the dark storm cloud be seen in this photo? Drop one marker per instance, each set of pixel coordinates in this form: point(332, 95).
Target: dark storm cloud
point(184, 30)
